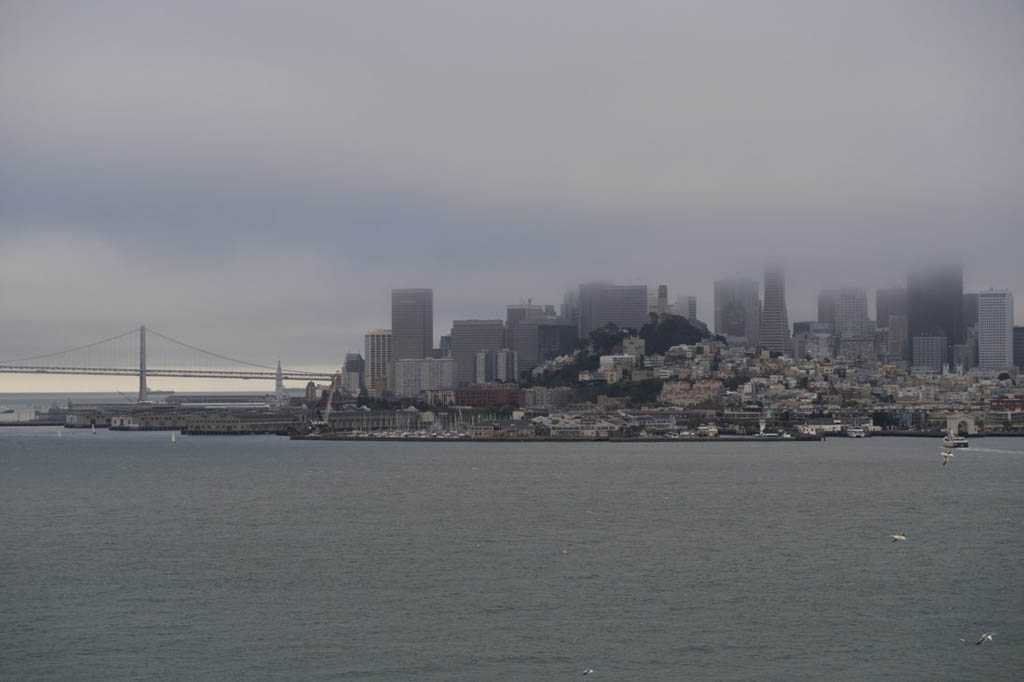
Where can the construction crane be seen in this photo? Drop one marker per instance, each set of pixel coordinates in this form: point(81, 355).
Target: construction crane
point(324, 424)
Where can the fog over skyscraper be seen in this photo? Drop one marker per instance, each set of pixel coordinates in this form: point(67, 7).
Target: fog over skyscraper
point(412, 323)
point(935, 304)
point(851, 318)
point(774, 319)
point(889, 301)
point(738, 310)
point(602, 303)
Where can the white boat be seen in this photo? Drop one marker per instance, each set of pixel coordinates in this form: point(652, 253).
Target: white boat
point(855, 432)
point(174, 438)
point(951, 441)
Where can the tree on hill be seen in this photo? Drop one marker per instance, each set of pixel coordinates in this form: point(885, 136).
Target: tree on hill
point(670, 330)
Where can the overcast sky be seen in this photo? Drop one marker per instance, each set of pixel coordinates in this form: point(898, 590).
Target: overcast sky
point(254, 177)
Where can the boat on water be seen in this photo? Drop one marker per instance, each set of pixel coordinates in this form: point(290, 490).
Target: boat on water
point(9, 410)
point(855, 432)
point(952, 441)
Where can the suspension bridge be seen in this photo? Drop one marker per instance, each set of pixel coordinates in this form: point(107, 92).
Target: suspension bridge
point(166, 357)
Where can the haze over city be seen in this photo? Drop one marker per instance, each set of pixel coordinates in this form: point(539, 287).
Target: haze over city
point(255, 178)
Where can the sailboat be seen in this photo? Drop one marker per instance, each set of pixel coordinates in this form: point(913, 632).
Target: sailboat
point(94, 429)
point(174, 438)
point(60, 433)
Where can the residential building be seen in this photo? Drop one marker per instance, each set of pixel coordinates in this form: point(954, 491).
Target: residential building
point(376, 356)
point(995, 329)
point(410, 377)
point(412, 323)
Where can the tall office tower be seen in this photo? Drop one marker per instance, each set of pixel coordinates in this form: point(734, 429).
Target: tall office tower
point(898, 342)
point(930, 353)
point(602, 303)
point(445, 346)
point(355, 366)
point(686, 306)
point(521, 335)
point(774, 319)
point(995, 329)
point(376, 355)
point(570, 308)
point(738, 311)
point(412, 323)
point(890, 301)
point(935, 304)
point(970, 310)
point(851, 320)
point(555, 337)
point(469, 337)
point(1018, 346)
point(827, 300)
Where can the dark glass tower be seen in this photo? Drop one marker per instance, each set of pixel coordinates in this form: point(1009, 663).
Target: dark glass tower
point(935, 304)
point(412, 323)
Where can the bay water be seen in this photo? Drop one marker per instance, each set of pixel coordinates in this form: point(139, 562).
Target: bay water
point(126, 557)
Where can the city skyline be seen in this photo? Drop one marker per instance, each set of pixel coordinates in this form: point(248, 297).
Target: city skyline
point(210, 174)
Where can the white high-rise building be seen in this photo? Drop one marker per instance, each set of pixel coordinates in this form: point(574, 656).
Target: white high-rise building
point(377, 355)
point(995, 329)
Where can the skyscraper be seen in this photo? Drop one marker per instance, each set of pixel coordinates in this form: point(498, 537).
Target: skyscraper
point(469, 337)
point(970, 310)
point(774, 319)
point(1018, 346)
point(890, 301)
point(412, 323)
point(356, 366)
point(935, 305)
point(827, 300)
point(686, 306)
point(898, 342)
point(376, 356)
point(995, 329)
point(738, 311)
point(602, 303)
point(851, 313)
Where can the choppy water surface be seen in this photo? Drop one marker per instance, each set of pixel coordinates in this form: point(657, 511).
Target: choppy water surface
point(125, 557)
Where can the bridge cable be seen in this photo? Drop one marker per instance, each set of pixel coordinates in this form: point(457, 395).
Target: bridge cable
point(70, 350)
point(216, 355)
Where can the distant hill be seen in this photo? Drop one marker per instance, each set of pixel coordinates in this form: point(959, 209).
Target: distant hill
point(671, 330)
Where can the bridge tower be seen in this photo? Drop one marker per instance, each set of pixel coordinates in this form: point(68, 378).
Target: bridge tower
point(279, 385)
point(143, 391)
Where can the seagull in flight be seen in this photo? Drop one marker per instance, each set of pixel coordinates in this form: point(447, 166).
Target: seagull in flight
point(899, 537)
point(946, 456)
point(987, 637)
point(590, 671)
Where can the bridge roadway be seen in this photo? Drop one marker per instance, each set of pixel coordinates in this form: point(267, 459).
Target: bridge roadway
point(286, 375)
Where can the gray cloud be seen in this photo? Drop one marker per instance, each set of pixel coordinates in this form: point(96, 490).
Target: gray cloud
point(216, 168)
